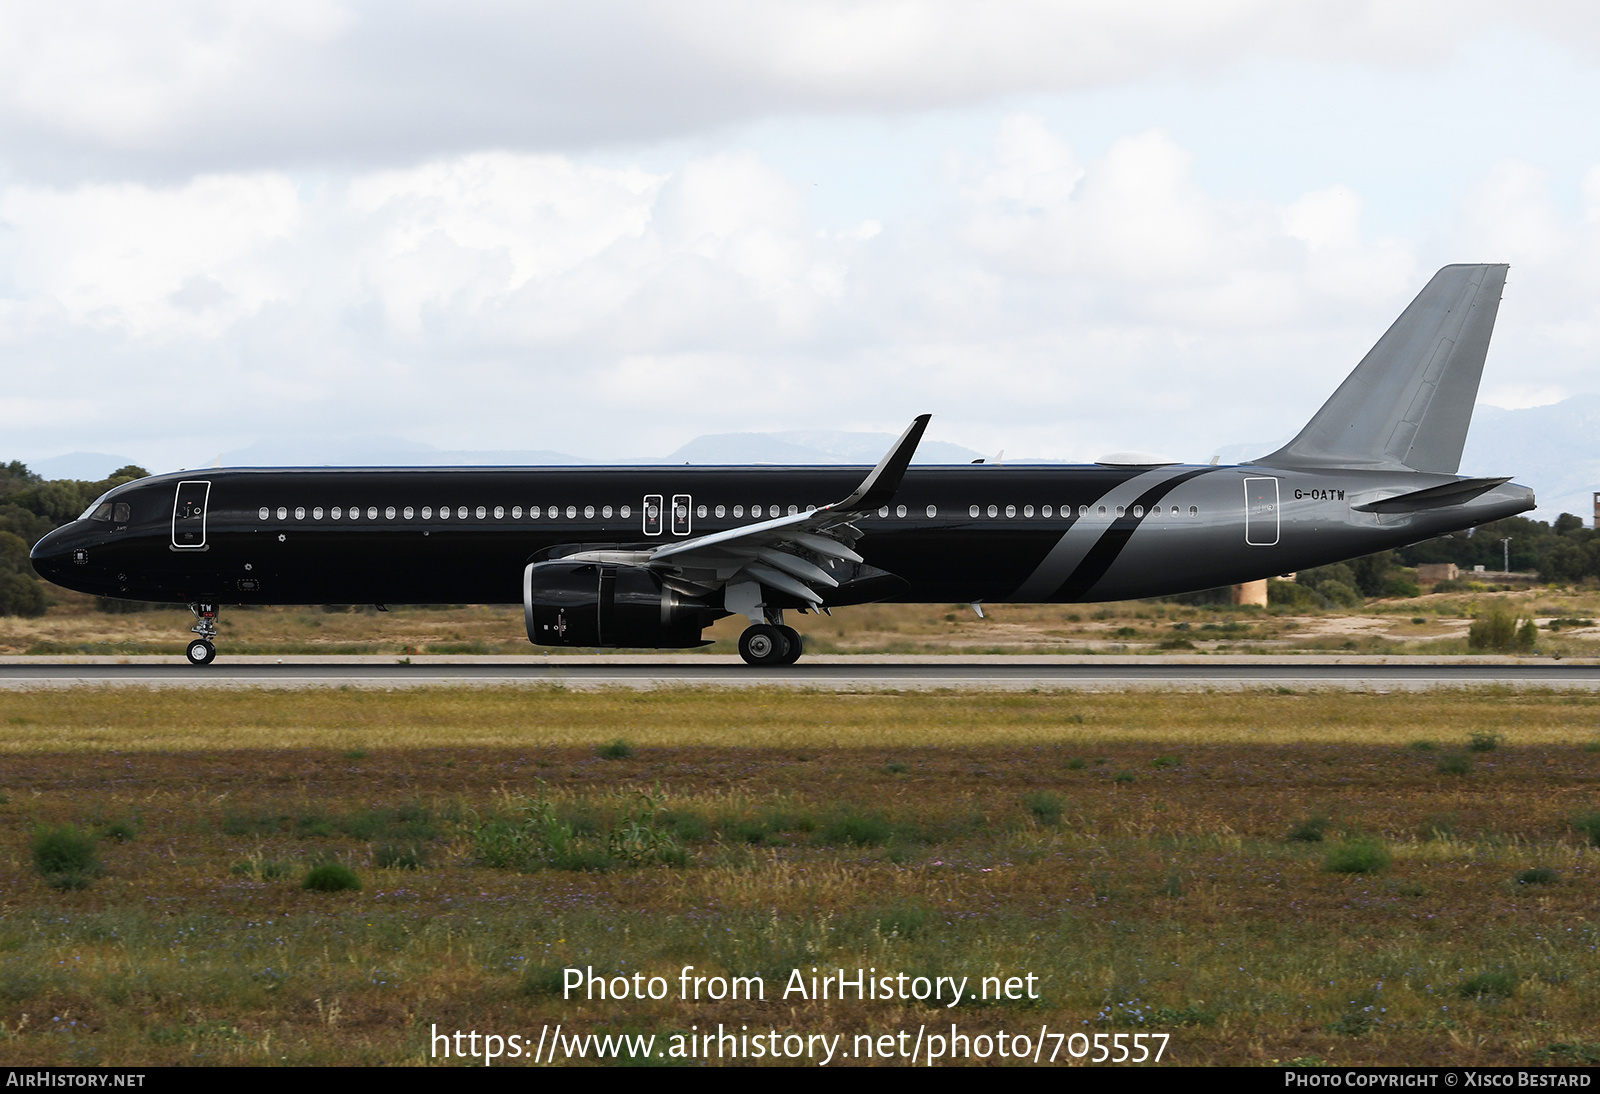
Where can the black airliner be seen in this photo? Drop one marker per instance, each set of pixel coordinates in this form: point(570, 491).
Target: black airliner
point(649, 557)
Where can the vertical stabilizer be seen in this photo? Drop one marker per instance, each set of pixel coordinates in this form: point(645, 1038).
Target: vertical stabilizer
point(1409, 402)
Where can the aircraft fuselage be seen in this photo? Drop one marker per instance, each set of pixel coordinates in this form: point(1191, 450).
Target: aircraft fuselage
point(1031, 533)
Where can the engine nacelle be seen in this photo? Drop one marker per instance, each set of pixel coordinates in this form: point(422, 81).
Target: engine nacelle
point(593, 604)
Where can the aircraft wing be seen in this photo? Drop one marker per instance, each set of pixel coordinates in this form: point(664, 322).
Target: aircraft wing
point(793, 554)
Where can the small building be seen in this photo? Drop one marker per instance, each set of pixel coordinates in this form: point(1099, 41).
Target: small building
point(1430, 573)
point(1251, 592)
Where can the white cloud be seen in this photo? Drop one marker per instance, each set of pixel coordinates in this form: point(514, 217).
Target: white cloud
point(1051, 304)
point(189, 86)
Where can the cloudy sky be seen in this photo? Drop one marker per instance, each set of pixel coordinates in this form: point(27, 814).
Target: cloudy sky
point(605, 228)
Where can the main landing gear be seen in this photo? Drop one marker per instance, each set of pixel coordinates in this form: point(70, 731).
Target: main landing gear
point(203, 650)
point(770, 646)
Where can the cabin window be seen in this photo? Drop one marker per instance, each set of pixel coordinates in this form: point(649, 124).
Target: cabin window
point(994, 511)
point(972, 510)
point(1102, 510)
point(588, 512)
point(1046, 511)
point(606, 512)
point(1011, 510)
point(316, 514)
point(572, 512)
point(1027, 510)
point(738, 510)
point(481, 512)
point(372, 512)
point(427, 512)
point(299, 512)
point(516, 512)
point(1138, 510)
point(1174, 510)
point(1155, 510)
point(793, 509)
point(899, 510)
point(755, 510)
point(553, 512)
point(335, 513)
point(283, 514)
point(700, 512)
point(388, 513)
point(1083, 510)
point(625, 512)
point(933, 510)
point(722, 510)
point(261, 514)
point(1194, 510)
point(409, 512)
point(1121, 511)
point(884, 511)
point(499, 512)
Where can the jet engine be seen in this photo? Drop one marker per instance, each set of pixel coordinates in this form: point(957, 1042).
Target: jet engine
point(593, 604)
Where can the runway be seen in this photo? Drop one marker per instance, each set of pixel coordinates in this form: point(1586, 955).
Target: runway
point(822, 673)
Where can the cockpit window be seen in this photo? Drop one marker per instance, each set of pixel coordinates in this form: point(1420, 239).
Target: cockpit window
point(122, 513)
point(101, 511)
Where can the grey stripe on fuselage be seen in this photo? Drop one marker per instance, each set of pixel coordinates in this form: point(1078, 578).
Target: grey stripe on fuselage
point(1078, 540)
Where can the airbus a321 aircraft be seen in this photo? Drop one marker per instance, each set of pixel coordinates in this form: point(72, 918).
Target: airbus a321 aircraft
point(650, 556)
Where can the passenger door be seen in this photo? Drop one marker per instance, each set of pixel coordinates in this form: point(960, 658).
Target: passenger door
point(189, 516)
point(1261, 512)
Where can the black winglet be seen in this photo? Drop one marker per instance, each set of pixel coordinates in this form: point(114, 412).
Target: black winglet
point(878, 488)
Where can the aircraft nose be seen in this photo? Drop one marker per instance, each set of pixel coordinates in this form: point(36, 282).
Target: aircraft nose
point(54, 554)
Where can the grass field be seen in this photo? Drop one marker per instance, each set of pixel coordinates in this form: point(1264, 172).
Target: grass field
point(1316, 876)
point(1432, 624)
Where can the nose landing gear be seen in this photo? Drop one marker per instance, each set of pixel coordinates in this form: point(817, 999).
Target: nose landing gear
point(203, 651)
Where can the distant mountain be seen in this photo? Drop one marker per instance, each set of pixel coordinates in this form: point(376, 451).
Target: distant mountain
point(86, 466)
point(1555, 449)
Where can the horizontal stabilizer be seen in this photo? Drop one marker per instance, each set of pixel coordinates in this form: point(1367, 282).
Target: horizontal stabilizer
point(1434, 497)
point(1409, 402)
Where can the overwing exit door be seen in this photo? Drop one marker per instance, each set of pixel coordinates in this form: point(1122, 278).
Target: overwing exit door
point(189, 516)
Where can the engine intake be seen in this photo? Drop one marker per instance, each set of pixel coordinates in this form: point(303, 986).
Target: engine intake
point(591, 604)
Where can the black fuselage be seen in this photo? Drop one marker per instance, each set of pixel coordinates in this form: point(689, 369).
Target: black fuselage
point(953, 534)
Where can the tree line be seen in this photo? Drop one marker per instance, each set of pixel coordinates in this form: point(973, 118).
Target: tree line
point(31, 506)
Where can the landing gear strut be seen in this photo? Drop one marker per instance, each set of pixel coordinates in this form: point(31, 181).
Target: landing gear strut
point(203, 651)
point(767, 646)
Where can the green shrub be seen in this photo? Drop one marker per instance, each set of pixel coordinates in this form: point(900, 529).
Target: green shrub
point(861, 829)
point(618, 749)
point(66, 849)
point(1538, 875)
point(895, 768)
point(1166, 761)
point(261, 869)
point(1454, 763)
point(1045, 806)
point(1311, 830)
point(356, 754)
point(1424, 746)
point(1500, 631)
point(1358, 856)
point(1123, 777)
point(1589, 825)
point(1484, 741)
point(121, 830)
point(331, 877)
point(399, 856)
point(1488, 985)
point(1078, 763)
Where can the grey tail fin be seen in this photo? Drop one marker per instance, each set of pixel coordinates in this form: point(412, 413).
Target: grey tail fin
point(1409, 402)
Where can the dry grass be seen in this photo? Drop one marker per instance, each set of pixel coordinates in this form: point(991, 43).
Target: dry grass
point(1174, 896)
point(134, 719)
point(1140, 627)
